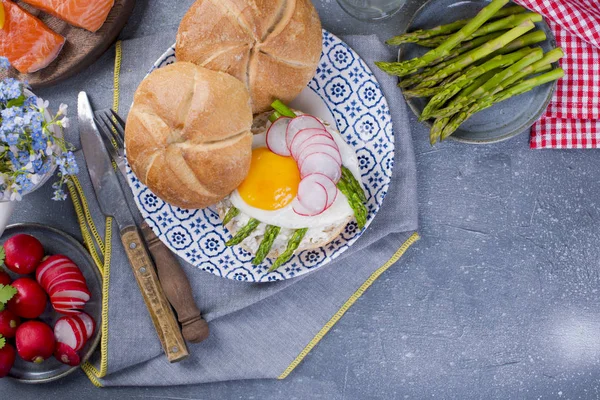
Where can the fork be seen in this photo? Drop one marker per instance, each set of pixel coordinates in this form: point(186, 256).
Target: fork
point(172, 277)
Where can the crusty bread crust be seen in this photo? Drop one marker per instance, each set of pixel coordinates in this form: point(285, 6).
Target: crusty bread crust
point(273, 46)
point(188, 134)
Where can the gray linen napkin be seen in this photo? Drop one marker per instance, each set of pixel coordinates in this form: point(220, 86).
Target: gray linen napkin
point(257, 330)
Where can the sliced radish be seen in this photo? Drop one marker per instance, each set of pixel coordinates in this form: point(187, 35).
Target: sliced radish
point(318, 139)
point(319, 148)
point(90, 324)
point(304, 135)
point(62, 286)
point(65, 310)
point(67, 331)
point(276, 135)
point(312, 197)
point(299, 123)
point(321, 163)
point(67, 355)
point(48, 264)
point(74, 293)
point(55, 273)
point(69, 279)
point(303, 211)
point(327, 183)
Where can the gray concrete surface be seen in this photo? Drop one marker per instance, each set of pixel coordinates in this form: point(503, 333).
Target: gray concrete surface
point(499, 300)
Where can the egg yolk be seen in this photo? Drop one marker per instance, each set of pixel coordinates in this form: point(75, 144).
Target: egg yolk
point(272, 182)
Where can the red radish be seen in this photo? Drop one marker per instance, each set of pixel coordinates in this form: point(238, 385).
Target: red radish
point(35, 341)
point(90, 324)
point(276, 137)
point(303, 136)
point(48, 263)
point(30, 300)
point(323, 164)
point(67, 355)
point(75, 293)
point(5, 278)
point(70, 277)
point(68, 305)
point(299, 123)
point(7, 359)
point(303, 211)
point(9, 322)
point(57, 273)
point(53, 267)
point(23, 253)
point(319, 148)
point(328, 184)
point(311, 199)
point(71, 331)
point(318, 139)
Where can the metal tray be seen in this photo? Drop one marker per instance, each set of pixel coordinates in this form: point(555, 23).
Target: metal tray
point(501, 121)
point(58, 242)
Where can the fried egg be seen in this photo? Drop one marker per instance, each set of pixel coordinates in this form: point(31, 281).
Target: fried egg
point(269, 189)
point(272, 183)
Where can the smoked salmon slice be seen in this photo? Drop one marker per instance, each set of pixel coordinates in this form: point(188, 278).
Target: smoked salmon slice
point(86, 14)
point(26, 41)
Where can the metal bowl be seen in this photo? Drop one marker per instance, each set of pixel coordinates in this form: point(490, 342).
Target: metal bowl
point(501, 121)
point(58, 242)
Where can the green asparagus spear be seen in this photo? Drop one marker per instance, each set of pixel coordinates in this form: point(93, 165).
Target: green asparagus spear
point(282, 109)
point(500, 82)
point(440, 123)
point(550, 57)
point(421, 34)
point(529, 39)
point(446, 92)
point(444, 49)
point(349, 177)
point(271, 233)
point(478, 53)
point(433, 42)
point(436, 129)
point(478, 82)
point(500, 61)
point(355, 202)
point(274, 116)
point(231, 214)
point(243, 233)
point(292, 245)
point(466, 46)
point(496, 26)
point(487, 102)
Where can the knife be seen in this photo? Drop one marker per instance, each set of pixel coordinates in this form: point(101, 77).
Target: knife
point(113, 204)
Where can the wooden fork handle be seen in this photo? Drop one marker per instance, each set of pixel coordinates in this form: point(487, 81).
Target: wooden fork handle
point(160, 311)
point(177, 288)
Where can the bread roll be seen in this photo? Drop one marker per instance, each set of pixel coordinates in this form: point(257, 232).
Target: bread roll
point(188, 134)
point(273, 46)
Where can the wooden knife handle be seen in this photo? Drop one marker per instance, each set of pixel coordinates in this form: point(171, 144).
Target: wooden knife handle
point(160, 311)
point(177, 288)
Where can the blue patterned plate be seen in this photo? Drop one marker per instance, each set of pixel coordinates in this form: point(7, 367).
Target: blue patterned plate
point(345, 93)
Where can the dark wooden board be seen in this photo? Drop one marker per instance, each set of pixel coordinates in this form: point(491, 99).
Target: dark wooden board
point(82, 48)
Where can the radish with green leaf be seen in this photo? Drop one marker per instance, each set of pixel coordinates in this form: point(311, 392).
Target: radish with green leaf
point(30, 300)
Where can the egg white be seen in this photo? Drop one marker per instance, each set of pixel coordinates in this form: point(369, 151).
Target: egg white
point(339, 212)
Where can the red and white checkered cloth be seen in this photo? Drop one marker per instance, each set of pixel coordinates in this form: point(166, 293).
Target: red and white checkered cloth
point(572, 121)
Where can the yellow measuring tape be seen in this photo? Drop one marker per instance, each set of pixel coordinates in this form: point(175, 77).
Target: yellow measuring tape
point(101, 251)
